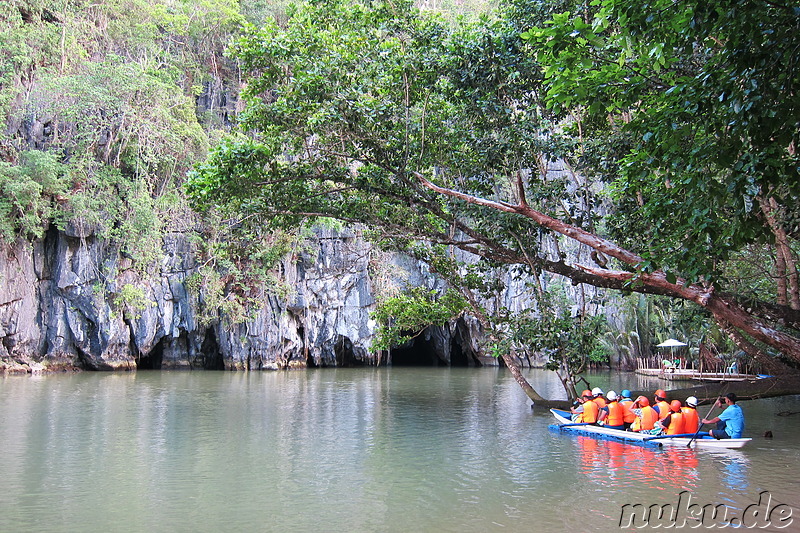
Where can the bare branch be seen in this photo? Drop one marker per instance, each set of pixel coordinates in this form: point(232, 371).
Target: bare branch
point(558, 226)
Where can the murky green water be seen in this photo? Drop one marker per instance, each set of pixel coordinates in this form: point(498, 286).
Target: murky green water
point(356, 450)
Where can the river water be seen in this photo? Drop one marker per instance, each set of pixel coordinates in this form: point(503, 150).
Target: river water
point(354, 450)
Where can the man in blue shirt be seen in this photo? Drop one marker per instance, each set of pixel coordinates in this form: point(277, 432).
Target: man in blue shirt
point(730, 423)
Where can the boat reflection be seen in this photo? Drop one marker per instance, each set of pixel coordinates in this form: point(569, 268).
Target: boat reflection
point(671, 468)
point(734, 468)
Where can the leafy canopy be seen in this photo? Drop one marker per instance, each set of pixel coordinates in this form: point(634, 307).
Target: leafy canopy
point(404, 316)
point(380, 115)
point(349, 104)
point(704, 95)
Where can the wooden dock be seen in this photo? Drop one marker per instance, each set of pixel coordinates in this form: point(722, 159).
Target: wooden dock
point(688, 374)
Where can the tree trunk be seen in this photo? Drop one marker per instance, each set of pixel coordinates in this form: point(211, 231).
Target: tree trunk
point(787, 276)
point(508, 359)
point(780, 277)
point(657, 282)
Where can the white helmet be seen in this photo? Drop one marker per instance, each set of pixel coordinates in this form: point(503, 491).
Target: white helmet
point(611, 396)
point(691, 400)
point(597, 391)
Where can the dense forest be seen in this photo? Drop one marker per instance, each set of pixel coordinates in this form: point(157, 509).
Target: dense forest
point(107, 105)
point(674, 127)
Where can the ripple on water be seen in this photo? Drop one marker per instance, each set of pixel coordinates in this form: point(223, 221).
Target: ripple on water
point(417, 450)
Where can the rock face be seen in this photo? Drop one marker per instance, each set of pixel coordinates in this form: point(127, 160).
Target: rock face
point(73, 301)
point(63, 305)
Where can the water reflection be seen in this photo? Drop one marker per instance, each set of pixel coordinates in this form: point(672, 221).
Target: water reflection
point(734, 468)
point(340, 450)
point(624, 465)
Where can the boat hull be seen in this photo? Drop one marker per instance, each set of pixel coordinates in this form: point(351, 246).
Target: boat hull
point(565, 424)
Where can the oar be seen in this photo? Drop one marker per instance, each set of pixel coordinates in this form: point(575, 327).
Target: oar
point(713, 405)
point(678, 435)
point(576, 424)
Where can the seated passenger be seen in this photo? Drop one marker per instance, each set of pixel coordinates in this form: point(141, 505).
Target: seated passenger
point(646, 416)
point(612, 414)
point(673, 422)
point(730, 423)
point(627, 404)
point(597, 393)
point(661, 406)
point(588, 411)
point(691, 420)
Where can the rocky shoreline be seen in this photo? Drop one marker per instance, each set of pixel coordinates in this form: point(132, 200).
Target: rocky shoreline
point(60, 310)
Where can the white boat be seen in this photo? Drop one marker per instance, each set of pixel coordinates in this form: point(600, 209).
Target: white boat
point(686, 439)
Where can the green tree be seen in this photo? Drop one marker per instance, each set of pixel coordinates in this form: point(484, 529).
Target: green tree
point(28, 195)
point(102, 95)
point(702, 99)
point(404, 316)
point(390, 118)
point(348, 99)
point(707, 93)
point(571, 342)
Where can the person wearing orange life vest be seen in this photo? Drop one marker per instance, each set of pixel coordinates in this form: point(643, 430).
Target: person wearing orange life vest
point(587, 412)
point(691, 420)
point(646, 416)
point(661, 405)
point(673, 422)
point(627, 405)
point(598, 398)
point(612, 414)
point(577, 405)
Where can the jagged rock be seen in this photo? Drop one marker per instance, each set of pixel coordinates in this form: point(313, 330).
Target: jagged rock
point(60, 308)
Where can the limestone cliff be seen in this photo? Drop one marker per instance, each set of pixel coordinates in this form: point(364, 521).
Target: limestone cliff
point(61, 308)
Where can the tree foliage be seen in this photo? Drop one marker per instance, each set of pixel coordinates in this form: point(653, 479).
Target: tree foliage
point(28, 193)
point(706, 94)
point(97, 104)
point(381, 115)
point(407, 314)
point(570, 341)
point(240, 267)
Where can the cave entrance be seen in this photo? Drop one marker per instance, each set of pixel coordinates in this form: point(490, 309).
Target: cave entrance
point(345, 355)
point(151, 361)
point(310, 362)
point(419, 351)
point(459, 357)
point(212, 357)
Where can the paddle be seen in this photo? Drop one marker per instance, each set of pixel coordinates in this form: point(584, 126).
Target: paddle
point(678, 435)
point(576, 424)
point(713, 405)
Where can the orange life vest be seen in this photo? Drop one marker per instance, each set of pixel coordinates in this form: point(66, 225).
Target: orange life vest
point(691, 420)
point(615, 414)
point(675, 424)
point(663, 409)
point(647, 420)
point(600, 401)
point(590, 412)
point(628, 416)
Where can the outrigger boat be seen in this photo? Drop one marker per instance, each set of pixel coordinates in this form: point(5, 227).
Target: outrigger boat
point(632, 437)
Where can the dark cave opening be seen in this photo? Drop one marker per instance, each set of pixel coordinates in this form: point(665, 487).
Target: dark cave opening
point(212, 357)
point(345, 355)
point(417, 352)
point(152, 361)
point(458, 357)
point(310, 362)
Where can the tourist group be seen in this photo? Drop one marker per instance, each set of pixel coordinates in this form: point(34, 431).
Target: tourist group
point(620, 411)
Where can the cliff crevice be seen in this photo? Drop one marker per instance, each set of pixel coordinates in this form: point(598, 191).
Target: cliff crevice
point(72, 300)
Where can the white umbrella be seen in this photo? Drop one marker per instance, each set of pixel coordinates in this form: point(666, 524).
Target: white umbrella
point(669, 343)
